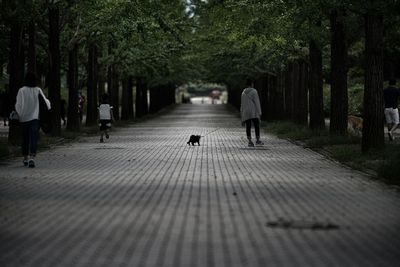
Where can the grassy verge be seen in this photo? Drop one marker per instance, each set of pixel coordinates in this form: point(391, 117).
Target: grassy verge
point(384, 164)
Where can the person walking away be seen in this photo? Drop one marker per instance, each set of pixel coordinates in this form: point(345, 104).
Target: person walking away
point(62, 111)
point(105, 117)
point(250, 110)
point(391, 95)
point(27, 107)
point(81, 102)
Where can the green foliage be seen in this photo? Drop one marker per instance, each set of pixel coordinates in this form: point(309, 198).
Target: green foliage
point(390, 169)
point(355, 98)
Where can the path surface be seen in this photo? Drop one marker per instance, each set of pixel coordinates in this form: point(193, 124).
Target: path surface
point(145, 198)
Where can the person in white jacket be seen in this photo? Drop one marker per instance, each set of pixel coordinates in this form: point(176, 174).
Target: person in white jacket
point(250, 111)
point(27, 107)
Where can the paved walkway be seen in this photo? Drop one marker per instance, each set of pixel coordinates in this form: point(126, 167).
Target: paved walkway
point(145, 198)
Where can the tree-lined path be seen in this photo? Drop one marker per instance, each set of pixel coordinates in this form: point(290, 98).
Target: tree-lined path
point(145, 198)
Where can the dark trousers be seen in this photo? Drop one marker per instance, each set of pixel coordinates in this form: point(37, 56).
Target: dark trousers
point(256, 123)
point(30, 133)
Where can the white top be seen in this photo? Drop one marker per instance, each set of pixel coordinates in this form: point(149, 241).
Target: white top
point(27, 105)
point(250, 107)
point(105, 112)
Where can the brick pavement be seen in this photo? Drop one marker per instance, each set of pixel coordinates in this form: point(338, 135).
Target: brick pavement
point(145, 198)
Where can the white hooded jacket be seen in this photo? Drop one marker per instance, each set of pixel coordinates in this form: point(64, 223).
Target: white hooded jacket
point(250, 107)
point(27, 105)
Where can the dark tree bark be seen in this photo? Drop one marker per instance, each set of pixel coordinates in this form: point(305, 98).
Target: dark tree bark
point(115, 94)
point(280, 82)
point(113, 90)
point(373, 124)
point(316, 100)
point(155, 98)
point(299, 85)
point(289, 92)
point(127, 99)
point(139, 97)
point(73, 122)
point(16, 71)
point(172, 94)
point(261, 86)
point(273, 108)
point(131, 113)
point(145, 104)
point(339, 97)
point(32, 48)
point(302, 114)
point(91, 114)
point(101, 74)
point(54, 80)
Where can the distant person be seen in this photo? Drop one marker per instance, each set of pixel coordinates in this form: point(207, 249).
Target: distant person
point(391, 96)
point(105, 117)
point(62, 111)
point(5, 106)
point(81, 103)
point(250, 110)
point(27, 107)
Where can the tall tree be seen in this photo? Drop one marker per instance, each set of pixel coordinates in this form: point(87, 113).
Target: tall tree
point(339, 54)
point(73, 122)
point(54, 76)
point(16, 71)
point(32, 47)
point(373, 134)
point(127, 98)
point(316, 104)
point(92, 83)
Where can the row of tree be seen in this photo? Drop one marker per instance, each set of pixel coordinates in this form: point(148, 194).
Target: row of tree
point(98, 46)
point(291, 48)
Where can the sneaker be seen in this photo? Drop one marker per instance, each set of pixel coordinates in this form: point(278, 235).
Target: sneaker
point(107, 136)
point(251, 144)
point(259, 143)
point(31, 163)
point(25, 161)
point(101, 140)
point(391, 137)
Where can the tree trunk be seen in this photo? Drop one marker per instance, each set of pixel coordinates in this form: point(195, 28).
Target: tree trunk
point(316, 100)
point(16, 71)
point(272, 98)
point(154, 98)
point(73, 122)
point(339, 97)
point(126, 102)
point(280, 96)
point(373, 124)
point(131, 112)
point(261, 86)
point(289, 92)
point(91, 114)
point(54, 68)
point(115, 94)
point(139, 103)
point(32, 48)
point(113, 90)
point(299, 80)
point(145, 102)
point(101, 74)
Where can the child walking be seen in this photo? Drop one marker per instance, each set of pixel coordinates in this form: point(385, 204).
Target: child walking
point(105, 117)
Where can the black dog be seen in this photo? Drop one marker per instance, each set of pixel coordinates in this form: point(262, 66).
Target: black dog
point(194, 139)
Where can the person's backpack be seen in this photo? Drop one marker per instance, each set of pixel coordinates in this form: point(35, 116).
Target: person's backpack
point(44, 116)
